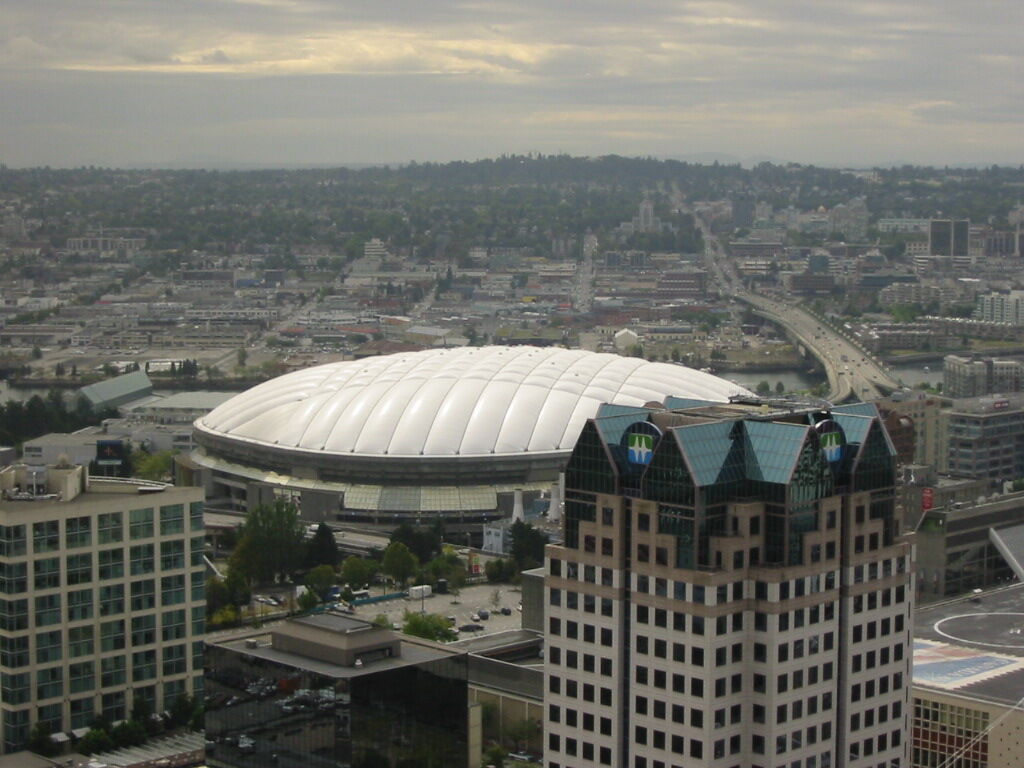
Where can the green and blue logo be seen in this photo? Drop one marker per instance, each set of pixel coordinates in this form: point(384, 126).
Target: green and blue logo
point(641, 448)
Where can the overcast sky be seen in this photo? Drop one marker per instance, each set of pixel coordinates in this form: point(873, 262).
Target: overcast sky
point(284, 82)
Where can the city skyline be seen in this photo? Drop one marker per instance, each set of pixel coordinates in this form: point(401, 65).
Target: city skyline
point(294, 83)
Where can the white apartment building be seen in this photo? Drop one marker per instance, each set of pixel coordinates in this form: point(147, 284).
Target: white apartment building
point(1001, 308)
point(733, 592)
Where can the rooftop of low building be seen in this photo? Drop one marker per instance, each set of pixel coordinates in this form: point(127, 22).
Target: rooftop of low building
point(973, 645)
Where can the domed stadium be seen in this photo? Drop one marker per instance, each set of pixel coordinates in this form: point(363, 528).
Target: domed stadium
point(409, 436)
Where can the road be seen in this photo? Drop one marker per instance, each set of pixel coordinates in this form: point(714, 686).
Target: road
point(583, 290)
point(852, 372)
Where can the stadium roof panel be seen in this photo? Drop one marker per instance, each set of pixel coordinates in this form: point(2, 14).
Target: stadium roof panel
point(467, 401)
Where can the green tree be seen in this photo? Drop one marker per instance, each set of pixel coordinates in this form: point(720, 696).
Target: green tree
point(447, 566)
point(322, 549)
point(128, 733)
point(399, 563)
point(431, 626)
point(499, 570)
point(780, 388)
point(238, 588)
point(242, 357)
point(523, 732)
point(270, 543)
point(763, 388)
point(94, 741)
point(182, 709)
point(357, 571)
point(36, 353)
point(142, 712)
point(495, 755)
point(905, 313)
point(152, 466)
point(320, 580)
point(217, 595)
point(425, 543)
point(225, 617)
point(308, 600)
point(41, 742)
point(527, 545)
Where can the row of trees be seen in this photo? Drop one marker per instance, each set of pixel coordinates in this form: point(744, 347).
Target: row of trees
point(21, 421)
point(271, 547)
point(104, 736)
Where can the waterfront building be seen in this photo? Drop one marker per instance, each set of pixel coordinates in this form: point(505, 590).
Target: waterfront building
point(973, 377)
point(1001, 308)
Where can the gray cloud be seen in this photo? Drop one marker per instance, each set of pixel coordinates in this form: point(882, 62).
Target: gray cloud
point(299, 81)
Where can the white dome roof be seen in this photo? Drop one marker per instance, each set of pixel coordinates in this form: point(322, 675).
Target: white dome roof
point(468, 401)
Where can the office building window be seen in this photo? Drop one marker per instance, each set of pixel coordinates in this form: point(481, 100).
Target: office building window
point(49, 683)
point(143, 665)
point(80, 641)
point(172, 590)
point(174, 659)
point(13, 578)
point(12, 541)
point(140, 524)
point(143, 594)
point(110, 527)
point(111, 599)
point(79, 569)
point(49, 647)
point(47, 610)
point(46, 537)
point(111, 564)
point(112, 635)
point(46, 573)
point(82, 677)
point(143, 630)
point(143, 559)
point(172, 519)
point(78, 532)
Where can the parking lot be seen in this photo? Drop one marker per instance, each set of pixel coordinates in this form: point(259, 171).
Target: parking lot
point(491, 597)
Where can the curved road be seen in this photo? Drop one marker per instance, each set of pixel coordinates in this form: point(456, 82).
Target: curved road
point(852, 372)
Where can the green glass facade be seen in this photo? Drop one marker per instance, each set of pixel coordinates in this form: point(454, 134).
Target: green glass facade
point(709, 457)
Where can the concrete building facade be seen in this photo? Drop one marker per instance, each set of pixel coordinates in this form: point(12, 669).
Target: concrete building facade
point(985, 437)
point(103, 598)
point(733, 590)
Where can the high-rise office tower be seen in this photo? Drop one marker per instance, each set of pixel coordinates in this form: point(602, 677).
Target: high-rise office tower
point(103, 605)
point(733, 591)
